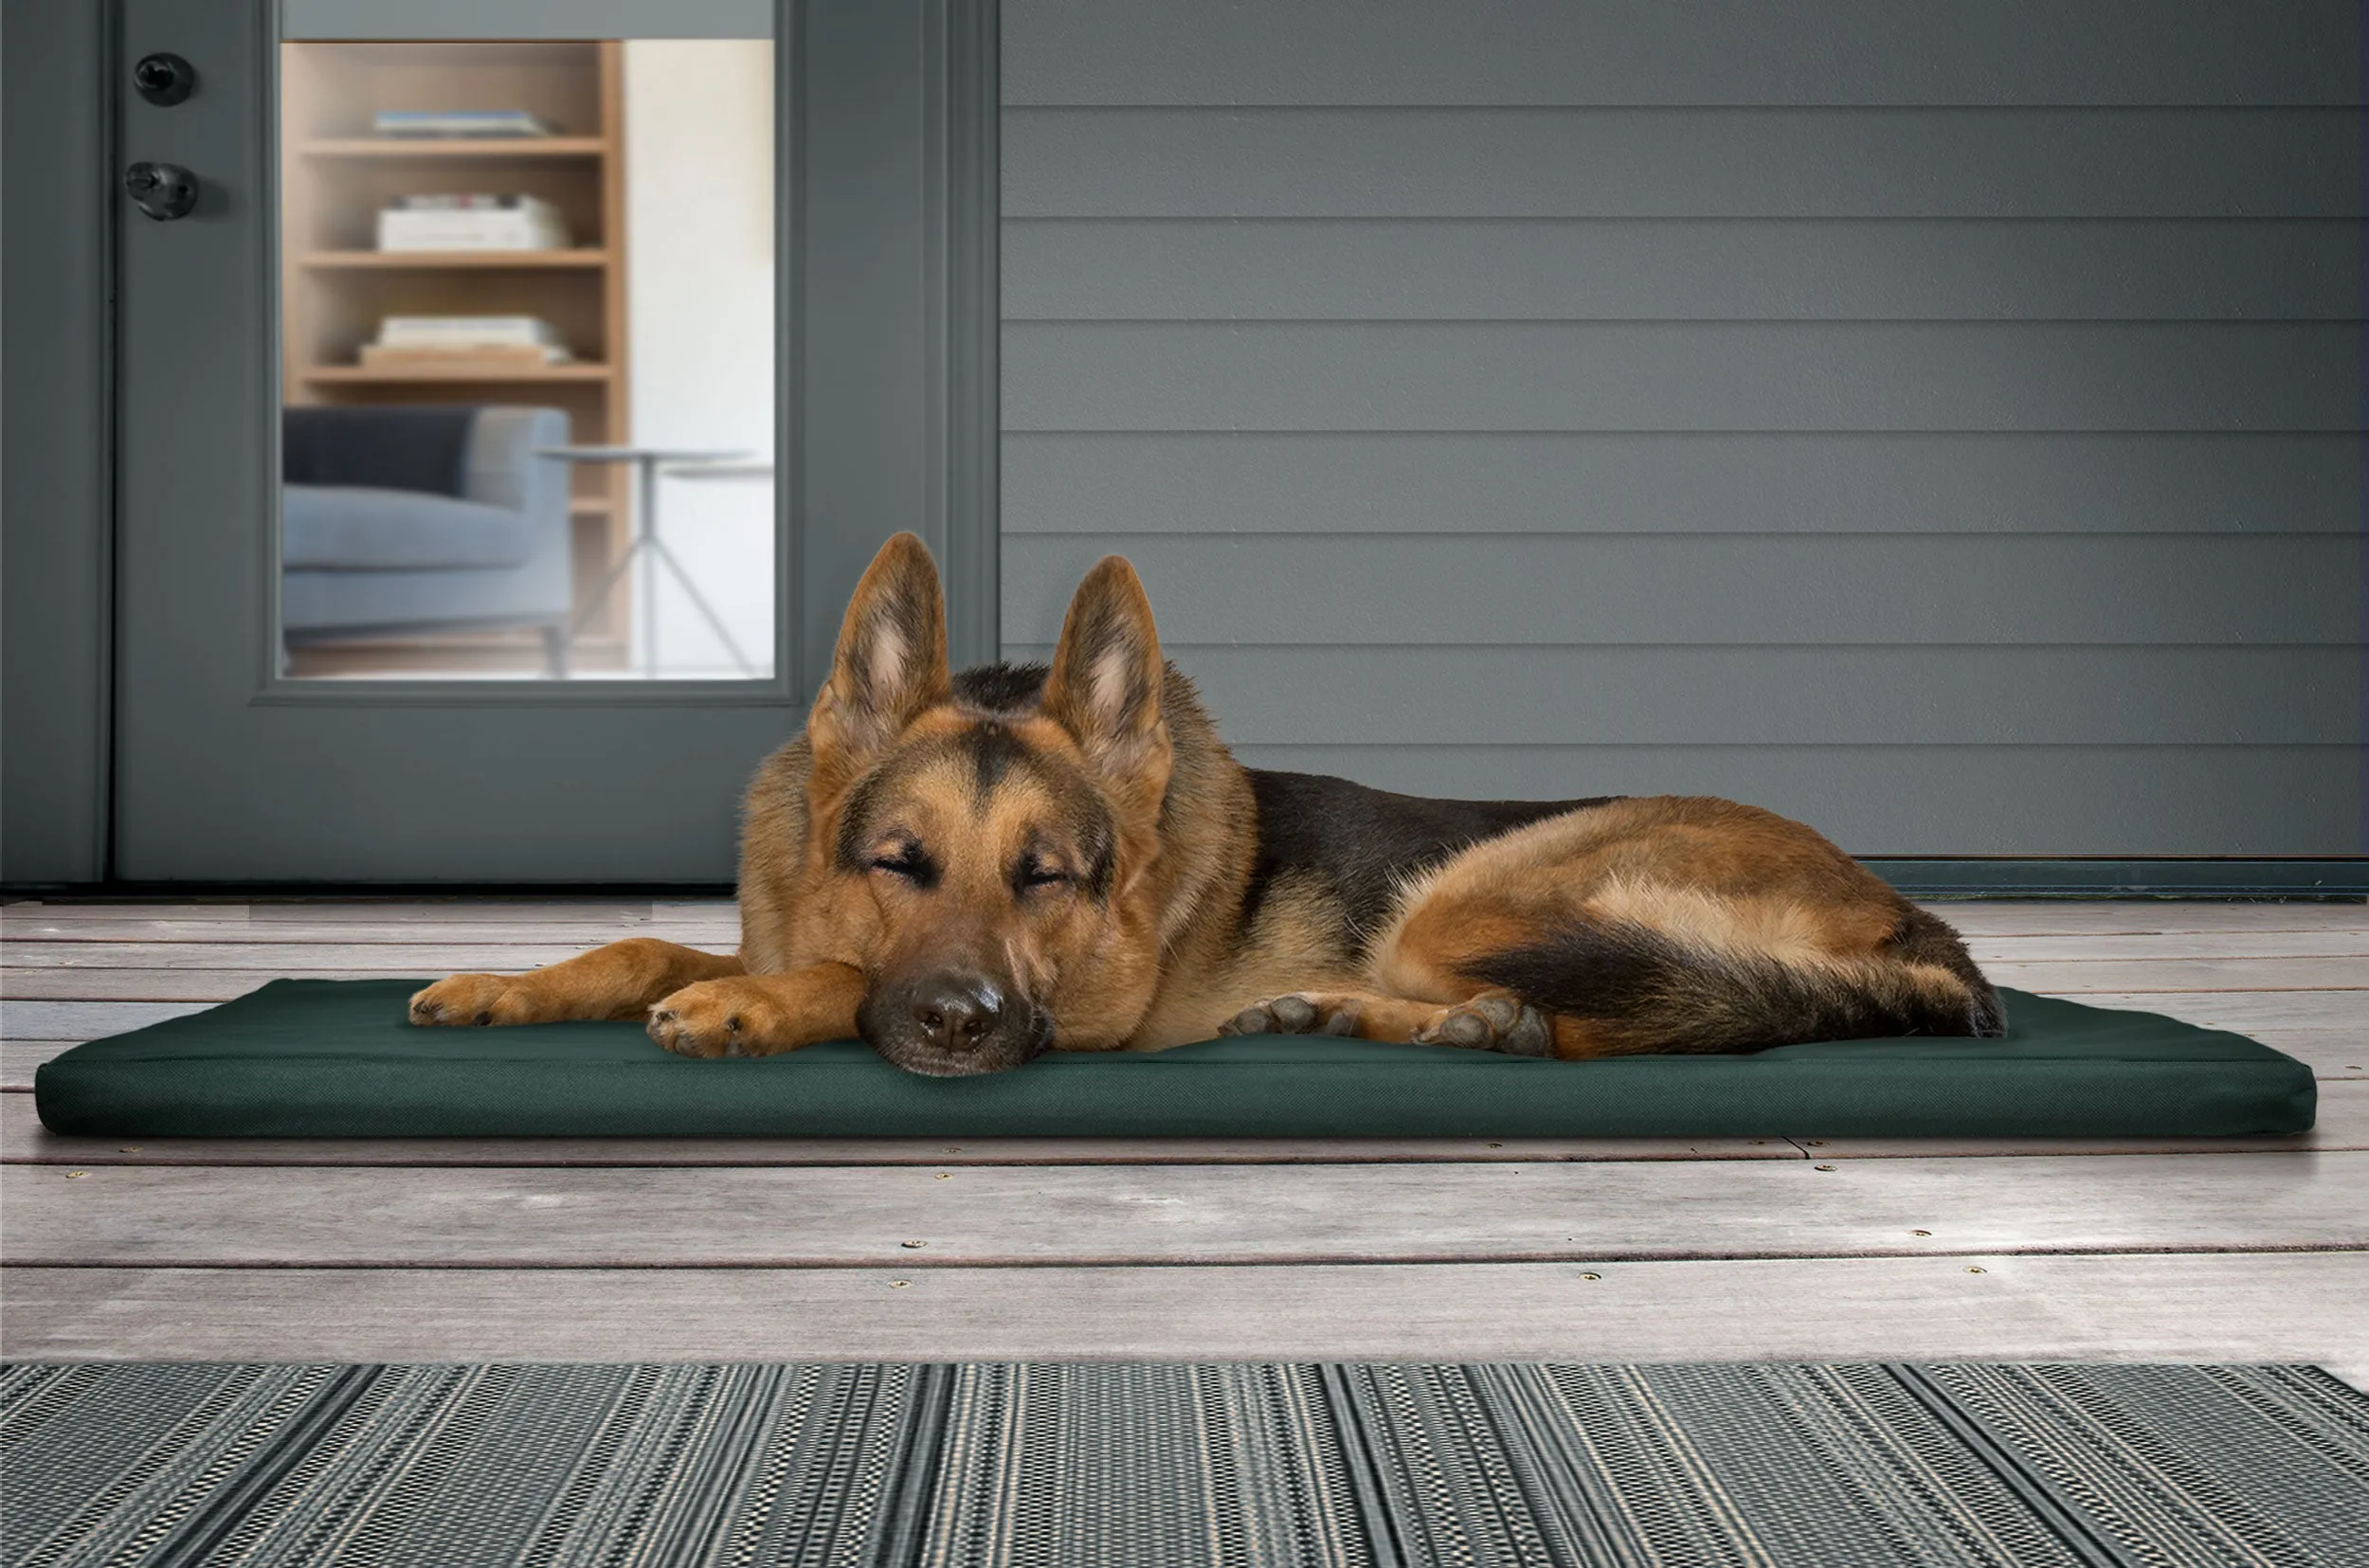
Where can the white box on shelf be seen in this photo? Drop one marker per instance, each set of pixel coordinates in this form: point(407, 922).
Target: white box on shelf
point(470, 229)
point(445, 332)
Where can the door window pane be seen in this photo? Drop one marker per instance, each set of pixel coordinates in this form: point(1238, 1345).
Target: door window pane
point(528, 358)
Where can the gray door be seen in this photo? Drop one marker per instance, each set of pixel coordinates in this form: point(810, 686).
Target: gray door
point(484, 504)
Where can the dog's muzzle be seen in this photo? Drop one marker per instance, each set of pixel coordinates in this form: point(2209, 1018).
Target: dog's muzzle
point(953, 1024)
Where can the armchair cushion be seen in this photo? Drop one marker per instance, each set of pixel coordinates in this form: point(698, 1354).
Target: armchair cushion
point(355, 527)
point(419, 449)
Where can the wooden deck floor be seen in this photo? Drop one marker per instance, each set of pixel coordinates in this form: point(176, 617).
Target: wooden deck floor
point(2251, 1250)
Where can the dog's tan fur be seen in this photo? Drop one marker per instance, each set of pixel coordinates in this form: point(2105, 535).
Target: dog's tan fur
point(1090, 844)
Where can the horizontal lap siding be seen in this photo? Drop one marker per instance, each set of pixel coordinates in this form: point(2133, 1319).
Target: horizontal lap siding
point(1939, 425)
point(1557, 482)
point(1681, 163)
point(1690, 375)
point(1650, 53)
point(1691, 269)
point(1869, 590)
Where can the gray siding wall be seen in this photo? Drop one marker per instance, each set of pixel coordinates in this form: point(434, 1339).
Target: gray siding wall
point(1938, 422)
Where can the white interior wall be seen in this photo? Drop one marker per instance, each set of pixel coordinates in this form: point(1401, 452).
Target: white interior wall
point(700, 203)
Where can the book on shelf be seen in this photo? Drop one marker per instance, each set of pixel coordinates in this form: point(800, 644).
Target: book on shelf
point(472, 201)
point(471, 222)
point(460, 122)
point(468, 332)
point(459, 356)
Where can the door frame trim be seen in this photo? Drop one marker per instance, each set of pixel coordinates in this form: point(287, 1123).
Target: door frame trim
point(56, 398)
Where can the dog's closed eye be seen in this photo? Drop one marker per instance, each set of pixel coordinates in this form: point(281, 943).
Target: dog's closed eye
point(909, 862)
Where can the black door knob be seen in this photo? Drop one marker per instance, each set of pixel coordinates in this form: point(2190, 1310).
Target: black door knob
point(164, 190)
point(164, 80)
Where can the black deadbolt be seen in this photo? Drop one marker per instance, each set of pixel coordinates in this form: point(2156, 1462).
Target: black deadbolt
point(164, 190)
point(164, 80)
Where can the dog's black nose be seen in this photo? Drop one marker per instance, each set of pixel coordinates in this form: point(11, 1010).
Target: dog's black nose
point(957, 1011)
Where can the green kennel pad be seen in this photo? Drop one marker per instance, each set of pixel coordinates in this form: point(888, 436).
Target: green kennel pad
point(316, 1058)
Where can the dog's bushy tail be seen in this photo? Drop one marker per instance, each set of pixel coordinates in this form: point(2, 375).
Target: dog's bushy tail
point(1636, 989)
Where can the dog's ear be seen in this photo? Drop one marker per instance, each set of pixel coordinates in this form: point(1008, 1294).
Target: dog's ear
point(891, 663)
point(1105, 685)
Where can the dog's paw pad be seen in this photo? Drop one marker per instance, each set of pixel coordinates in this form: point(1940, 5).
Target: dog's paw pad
point(1298, 1012)
point(1490, 1023)
point(1258, 1018)
point(1292, 1015)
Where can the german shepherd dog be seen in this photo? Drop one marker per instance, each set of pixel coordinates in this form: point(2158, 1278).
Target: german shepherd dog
point(970, 870)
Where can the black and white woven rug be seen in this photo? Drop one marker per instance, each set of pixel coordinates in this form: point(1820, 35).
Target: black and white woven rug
point(1099, 1466)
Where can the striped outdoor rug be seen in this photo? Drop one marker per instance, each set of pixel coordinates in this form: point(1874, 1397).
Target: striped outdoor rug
point(1096, 1466)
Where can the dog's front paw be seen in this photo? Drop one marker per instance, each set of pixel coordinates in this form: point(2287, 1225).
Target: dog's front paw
point(720, 1017)
point(465, 999)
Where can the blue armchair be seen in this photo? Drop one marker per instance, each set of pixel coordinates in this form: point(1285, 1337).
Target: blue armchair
point(403, 518)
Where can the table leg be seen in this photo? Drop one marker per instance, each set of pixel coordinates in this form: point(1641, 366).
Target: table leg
point(646, 536)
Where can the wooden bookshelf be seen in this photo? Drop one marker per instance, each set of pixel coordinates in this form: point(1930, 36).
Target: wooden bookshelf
point(449, 148)
point(335, 285)
point(368, 375)
point(453, 261)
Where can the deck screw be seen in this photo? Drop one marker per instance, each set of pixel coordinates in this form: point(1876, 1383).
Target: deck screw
point(1919, 1233)
point(912, 1244)
point(945, 1175)
point(1824, 1167)
point(1591, 1276)
point(1972, 1269)
point(1813, 1143)
point(1497, 1146)
point(129, 1149)
point(953, 1149)
point(73, 1174)
point(900, 1284)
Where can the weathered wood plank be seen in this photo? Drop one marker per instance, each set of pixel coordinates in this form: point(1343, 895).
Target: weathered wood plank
point(695, 908)
point(202, 985)
point(20, 1058)
point(495, 934)
point(2247, 1012)
point(2333, 1054)
point(468, 909)
point(2049, 917)
point(195, 911)
point(84, 1021)
point(290, 957)
point(2063, 946)
point(2079, 977)
point(2267, 1307)
point(739, 1216)
point(472, 910)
